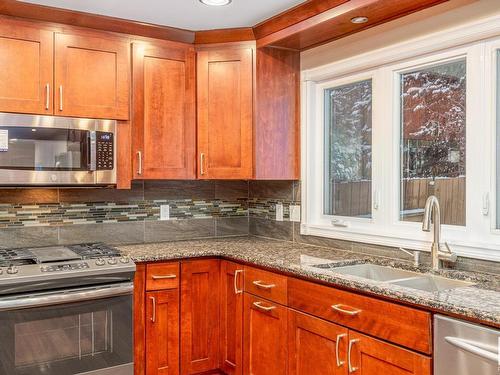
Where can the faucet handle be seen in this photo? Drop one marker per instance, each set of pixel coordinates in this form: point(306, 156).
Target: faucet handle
point(448, 255)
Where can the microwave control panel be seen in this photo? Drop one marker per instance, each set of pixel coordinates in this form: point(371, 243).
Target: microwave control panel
point(105, 153)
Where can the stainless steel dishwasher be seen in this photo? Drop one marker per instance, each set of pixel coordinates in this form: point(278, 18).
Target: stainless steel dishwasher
point(462, 348)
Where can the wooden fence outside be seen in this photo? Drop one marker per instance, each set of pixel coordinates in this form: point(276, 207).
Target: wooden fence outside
point(354, 198)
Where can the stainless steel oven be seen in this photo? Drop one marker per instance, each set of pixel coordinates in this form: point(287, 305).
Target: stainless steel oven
point(84, 330)
point(51, 150)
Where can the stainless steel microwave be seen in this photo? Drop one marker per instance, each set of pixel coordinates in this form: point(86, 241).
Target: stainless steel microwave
point(50, 150)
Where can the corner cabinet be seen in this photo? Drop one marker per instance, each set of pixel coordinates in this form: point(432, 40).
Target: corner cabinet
point(231, 318)
point(164, 111)
point(225, 113)
point(199, 316)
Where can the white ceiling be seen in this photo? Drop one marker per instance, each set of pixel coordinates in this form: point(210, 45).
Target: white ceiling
point(185, 14)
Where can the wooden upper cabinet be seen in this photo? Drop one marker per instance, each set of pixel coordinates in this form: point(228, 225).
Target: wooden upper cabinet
point(91, 76)
point(231, 318)
point(26, 55)
point(225, 113)
point(370, 356)
point(200, 316)
point(162, 332)
point(315, 347)
point(164, 112)
point(265, 337)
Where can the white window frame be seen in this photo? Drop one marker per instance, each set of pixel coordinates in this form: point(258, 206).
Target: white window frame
point(479, 238)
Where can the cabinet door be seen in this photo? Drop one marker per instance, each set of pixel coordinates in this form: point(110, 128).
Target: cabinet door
point(164, 122)
point(225, 114)
point(199, 316)
point(265, 337)
point(162, 332)
point(231, 318)
point(25, 69)
point(91, 77)
point(369, 356)
point(315, 346)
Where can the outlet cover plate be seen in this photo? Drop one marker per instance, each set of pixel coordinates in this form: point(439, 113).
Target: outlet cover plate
point(165, 212)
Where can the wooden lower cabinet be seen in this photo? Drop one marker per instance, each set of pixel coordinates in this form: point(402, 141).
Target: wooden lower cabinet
point(162, 332)
point(315, 346)
point(231, 318)
point(202, 319)
point(200, 302)
point(369, 356)
point(265, 337)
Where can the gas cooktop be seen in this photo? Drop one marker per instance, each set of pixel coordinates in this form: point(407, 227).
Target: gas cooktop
point(30, 269)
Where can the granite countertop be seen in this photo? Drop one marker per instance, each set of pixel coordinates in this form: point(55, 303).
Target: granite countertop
point(479, 302)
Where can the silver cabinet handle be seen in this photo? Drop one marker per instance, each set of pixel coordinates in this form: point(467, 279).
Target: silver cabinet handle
point(60, 98)
point(236, 290)
point(202, 163)
point(153, 317)
point(344, 311)
point(351, 367)
point(259, 284)
point(139, 159)
point(485, 351)
point(163, 277)
point(337, 344)
point(263, 308)
point(47, 96)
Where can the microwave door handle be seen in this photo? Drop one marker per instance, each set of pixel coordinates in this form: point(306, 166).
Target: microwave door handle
point(481, 350)
point(67, 296)
point(91, 148)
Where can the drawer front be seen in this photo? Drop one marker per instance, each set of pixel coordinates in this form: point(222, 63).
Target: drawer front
point(266, 285)
point(389, 321)
point(162, 276)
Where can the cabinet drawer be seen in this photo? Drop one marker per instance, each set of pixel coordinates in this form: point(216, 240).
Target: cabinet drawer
point(399, 324)
point(266, 284)
point(162, 276)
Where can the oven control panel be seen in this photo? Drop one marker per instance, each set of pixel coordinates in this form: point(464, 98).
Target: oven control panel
point(65, 267)
point(105, 153)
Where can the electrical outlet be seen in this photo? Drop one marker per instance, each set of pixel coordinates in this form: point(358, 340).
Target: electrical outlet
point(294, 213)
point(165, 212)
point(279, 212)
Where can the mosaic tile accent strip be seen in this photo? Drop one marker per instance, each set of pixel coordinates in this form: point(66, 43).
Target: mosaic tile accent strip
point(266, 208)
point(61, 214)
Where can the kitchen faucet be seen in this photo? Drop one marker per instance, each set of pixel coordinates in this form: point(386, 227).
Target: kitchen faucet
point(432, 212)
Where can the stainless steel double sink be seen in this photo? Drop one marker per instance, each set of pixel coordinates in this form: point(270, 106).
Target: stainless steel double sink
point(395, 276)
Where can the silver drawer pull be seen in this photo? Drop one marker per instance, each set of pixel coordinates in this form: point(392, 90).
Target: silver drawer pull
point(337, 344)
point(264, 308)
point(344, 311)
point(153, 317)
point(163, 277)
point(236, 290)
point(351, 367)
point(258, 283)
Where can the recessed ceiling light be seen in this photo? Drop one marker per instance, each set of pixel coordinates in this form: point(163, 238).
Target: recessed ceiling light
point(360, 19)
point(216, 3)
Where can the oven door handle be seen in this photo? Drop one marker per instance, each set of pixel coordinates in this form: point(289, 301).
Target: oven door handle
point(66, 296)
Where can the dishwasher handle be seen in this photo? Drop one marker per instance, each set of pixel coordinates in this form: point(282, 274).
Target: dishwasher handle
point(484, 351)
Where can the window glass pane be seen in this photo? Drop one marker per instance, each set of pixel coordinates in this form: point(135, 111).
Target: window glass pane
point(348, 150)
point(433, 141)
point(498, 139)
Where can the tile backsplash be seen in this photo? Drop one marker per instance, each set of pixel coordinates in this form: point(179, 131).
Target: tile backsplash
point(198, 209)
